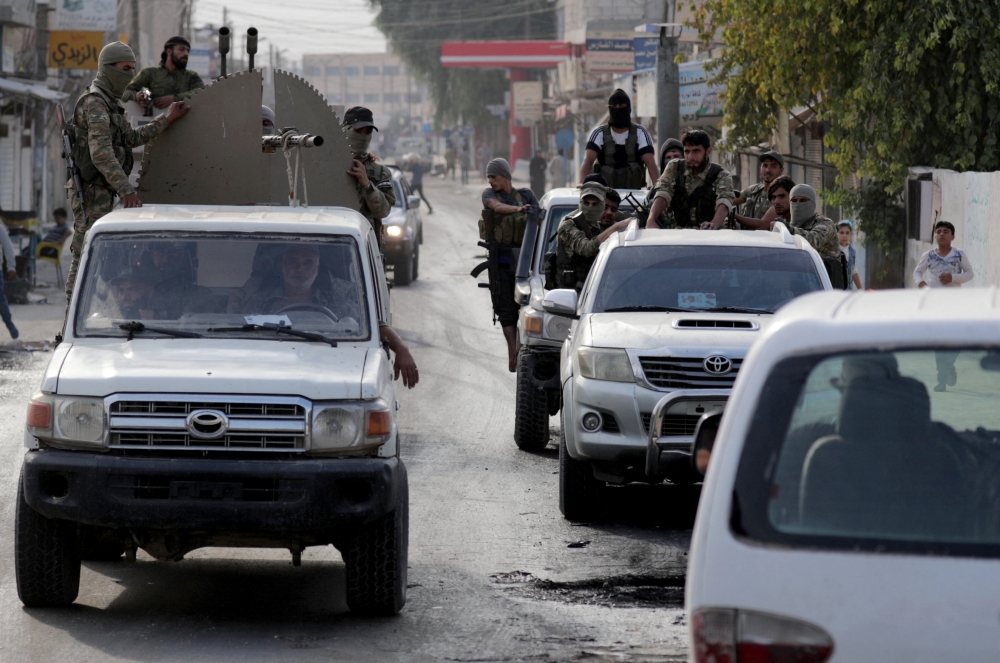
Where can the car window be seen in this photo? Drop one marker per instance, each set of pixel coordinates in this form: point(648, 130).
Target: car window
point(556, 215)
point(883, 451)
point(203, 282)
point(704, 277)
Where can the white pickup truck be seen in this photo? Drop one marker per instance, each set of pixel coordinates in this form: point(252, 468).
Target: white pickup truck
point(221, 383)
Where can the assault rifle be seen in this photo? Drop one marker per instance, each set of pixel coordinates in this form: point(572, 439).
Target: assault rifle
point(520, 258)
point(640, 209)
point(72, 170)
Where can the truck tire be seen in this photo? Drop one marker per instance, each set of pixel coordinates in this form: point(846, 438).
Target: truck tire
point(97, 545)
point(402, 271)
point(46, 557)
point(531, 410)
point(376, 558)
point(579, 492)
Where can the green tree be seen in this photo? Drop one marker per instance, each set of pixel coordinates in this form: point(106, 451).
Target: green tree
point(901, 83)
point(415, 31)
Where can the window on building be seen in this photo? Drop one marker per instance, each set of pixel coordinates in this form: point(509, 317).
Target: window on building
point(333, 71)
point(313, 70)
point(371, 98)
point(391, 97)
point(391, 71)
point(335, 98)
point(352, 71)
point(352, 99)
point(371, 71)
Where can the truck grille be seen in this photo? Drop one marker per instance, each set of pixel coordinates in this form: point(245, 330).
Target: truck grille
point(674, 425)
point(685, 373)
point(253, 423)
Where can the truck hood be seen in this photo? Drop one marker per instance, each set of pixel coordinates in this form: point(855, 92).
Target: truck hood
point(215, 366)
point(654, 331)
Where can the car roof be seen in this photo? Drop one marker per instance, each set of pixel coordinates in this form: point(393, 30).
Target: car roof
point(571, 196)
point(777, 239)
point(234, 218)
point(910, 307)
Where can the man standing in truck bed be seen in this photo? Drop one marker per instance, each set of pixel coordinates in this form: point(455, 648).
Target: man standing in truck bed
point(102, 146)
point(169, 81)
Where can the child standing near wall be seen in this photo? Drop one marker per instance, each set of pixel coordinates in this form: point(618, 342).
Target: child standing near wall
point(944, 267)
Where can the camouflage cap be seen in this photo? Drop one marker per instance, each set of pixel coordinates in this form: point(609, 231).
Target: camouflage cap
point(593, 190)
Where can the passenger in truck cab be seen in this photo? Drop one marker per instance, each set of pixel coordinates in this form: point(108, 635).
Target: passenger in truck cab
point(133, 292)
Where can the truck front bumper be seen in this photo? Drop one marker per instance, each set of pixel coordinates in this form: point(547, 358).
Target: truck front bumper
point(209, 494)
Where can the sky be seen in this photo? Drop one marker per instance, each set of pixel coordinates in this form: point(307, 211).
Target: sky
point(298, 26)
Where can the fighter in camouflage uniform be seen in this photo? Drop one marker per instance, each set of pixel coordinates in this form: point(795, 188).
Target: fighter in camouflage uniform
point(819, 231)
point(580, 236)
point(374, 181)
point(691, 191)
point(103, 142)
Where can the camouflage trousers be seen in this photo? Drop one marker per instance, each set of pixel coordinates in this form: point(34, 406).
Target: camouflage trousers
point(99, 201)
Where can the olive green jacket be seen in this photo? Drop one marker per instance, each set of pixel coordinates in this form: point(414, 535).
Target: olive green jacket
point(162, 82)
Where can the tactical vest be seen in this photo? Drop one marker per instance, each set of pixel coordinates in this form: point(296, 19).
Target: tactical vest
point(630, 176)
point(376, 173)
point(508, 229)
point(691, 210)
point(119, 142)
point(572, 271)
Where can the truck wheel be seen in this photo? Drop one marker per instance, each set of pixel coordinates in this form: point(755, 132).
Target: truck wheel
point(100, 545)
point(579, 491)
point(531, 410)
point(402, 271)
point(376, 560)
point(46, 557)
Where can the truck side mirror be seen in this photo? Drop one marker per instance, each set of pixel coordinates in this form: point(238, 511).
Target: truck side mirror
point(561, 302)
point(704, 441)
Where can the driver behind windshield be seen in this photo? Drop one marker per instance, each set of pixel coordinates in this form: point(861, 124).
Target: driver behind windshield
point(303, 287)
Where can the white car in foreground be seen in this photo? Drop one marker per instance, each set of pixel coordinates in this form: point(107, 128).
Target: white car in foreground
point(663, 312)
point(851, 510)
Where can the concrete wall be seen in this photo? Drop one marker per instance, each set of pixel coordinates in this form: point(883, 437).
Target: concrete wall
point(971, 201)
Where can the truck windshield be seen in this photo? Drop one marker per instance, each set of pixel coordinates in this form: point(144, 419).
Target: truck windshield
point(881, 451)
point(238, 285)
point(704, 277)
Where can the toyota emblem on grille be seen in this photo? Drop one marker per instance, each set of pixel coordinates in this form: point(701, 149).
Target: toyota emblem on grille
point(207, 424)
point(718, 365)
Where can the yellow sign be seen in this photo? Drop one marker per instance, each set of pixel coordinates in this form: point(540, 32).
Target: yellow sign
point(74, 50)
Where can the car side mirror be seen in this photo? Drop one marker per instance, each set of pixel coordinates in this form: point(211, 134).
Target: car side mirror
point(561, 302)
point(413, 202)
point(704, 440)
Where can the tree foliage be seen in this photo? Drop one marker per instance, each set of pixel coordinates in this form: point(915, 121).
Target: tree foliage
point(416, 30)
point(900, 82)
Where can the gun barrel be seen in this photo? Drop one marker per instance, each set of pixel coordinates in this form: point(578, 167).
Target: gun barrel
point(223, 48)
point(303, 140)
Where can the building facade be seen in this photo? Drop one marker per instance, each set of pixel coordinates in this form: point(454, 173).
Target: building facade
point(378, 81)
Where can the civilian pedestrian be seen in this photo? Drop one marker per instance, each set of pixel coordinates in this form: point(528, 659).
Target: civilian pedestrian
point(845, 232)
point(944, 267)
point(11, 272)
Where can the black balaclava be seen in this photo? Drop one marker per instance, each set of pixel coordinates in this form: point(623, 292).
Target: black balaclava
point(620, 118)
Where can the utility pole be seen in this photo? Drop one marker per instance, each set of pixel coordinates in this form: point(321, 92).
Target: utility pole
point(668, 111)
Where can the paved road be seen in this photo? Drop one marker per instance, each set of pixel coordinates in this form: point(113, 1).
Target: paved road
point(492, 578)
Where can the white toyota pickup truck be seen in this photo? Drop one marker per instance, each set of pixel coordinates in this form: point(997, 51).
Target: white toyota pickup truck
point(221, 383)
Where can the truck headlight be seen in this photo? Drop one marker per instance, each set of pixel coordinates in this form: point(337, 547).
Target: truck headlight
point(612, 365)
point(350, 426)
point(68, 421)
point(557, 327)
point(394, 231)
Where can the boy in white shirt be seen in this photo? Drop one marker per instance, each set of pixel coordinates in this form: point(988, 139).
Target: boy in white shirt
point(944, 267)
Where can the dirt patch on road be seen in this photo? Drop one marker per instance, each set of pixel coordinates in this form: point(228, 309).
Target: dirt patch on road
point(635, 591)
